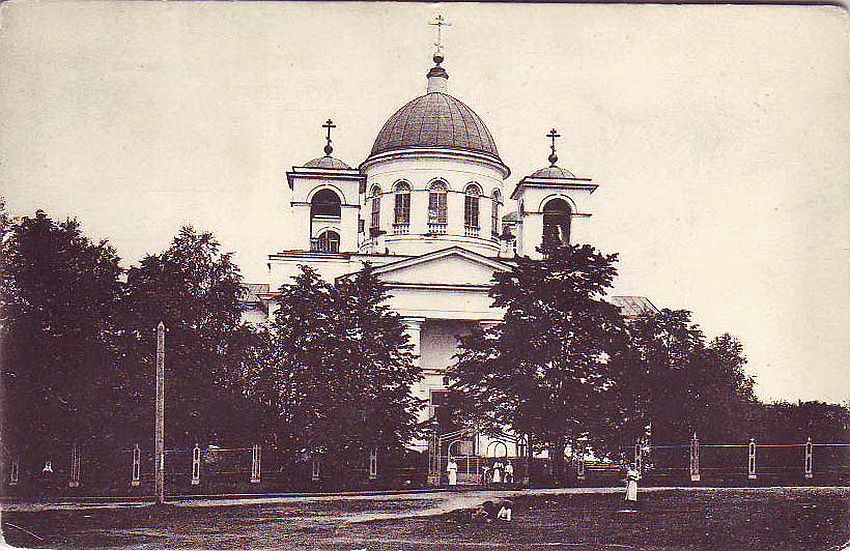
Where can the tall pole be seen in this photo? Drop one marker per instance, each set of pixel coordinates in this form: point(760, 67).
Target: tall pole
point(159, 431)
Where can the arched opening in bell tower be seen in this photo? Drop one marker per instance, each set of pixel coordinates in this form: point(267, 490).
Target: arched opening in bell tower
point(557, 215)
point(325, 209)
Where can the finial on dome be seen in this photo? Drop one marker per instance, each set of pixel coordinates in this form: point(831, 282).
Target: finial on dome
point(328, 147)
point(553, 157)
point(437, 76)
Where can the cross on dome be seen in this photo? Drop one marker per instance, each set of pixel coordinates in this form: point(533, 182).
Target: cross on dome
point(437, 76)
point(439, 22)
point(553, 157)
point(329, 124)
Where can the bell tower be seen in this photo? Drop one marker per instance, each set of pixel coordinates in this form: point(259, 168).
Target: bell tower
point(325, 202)
point(551, 206)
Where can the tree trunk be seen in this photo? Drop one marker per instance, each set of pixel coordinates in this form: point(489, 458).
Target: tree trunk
point(556, 456)
point(529, 457)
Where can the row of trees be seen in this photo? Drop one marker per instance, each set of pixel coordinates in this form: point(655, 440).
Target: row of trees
point(566, 369)
point(332, 375)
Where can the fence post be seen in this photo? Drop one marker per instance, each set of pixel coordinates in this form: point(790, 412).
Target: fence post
point(694, 464)
point(255, 464)
point(373, 463)
point(580, 475)
point(317, 465)
point(196, 465)
point(13, 472)
point(751, 460)
point(807, 461)
point(136, 471)
point(74, 481)
point(638, 457)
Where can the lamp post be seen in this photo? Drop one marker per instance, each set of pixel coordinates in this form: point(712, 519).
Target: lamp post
point(159, 425)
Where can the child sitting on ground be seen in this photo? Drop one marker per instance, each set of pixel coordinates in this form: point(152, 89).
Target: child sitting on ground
point(501, 509)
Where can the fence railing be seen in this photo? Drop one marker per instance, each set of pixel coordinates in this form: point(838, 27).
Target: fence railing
point(749, 460)
point(216, 469)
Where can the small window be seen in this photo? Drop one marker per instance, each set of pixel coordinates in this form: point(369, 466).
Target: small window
point(437, 210)
point(376, 208)
point(402, 204)
point(328, 242)
point(471, 206)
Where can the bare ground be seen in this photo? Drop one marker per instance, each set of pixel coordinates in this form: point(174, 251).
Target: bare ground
point(756, 518)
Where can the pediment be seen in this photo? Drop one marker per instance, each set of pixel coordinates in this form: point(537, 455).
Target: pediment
point(454, 266)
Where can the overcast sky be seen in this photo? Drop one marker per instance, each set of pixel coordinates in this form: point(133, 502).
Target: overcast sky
point(720, 136)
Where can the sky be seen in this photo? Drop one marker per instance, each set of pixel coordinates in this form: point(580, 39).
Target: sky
point(719, 136)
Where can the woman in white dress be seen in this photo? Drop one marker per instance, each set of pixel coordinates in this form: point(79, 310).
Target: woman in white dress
point(632, 477)
point(452, 470)
point(497, 472)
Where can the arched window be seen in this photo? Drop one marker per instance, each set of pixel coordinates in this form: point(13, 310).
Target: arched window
point(556, 222)
point(437, 210)
point(494, 213)
point(325, 203)
point(471, 209)
point(328, 242)
point(401, 218)
point(375, 223)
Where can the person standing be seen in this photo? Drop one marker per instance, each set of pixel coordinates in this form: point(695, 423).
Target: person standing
point(452, 470)
point(497, 472)
point(632, 477)
point(509, 473)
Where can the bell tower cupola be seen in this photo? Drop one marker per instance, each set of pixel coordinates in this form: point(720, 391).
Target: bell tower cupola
point(551, 206)
point(325, 202)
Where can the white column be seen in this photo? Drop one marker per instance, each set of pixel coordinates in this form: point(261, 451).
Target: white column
point(454, 204)
point(413, 328)
point(419, 211)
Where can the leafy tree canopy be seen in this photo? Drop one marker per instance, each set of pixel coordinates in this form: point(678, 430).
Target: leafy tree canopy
point(59, 295)
point(340, 368)
point(547, 368)
point(194, 288)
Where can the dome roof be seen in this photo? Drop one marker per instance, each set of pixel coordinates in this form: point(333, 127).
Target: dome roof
point(327, 162)
point(436, 120)
point(553, 172)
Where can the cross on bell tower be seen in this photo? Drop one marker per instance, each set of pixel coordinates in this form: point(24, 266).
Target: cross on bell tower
point(328, 147)
point(553, 157)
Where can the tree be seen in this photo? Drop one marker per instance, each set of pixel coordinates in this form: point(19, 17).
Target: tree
point(793, 423)
point(678, 384)
point(194, 288)
point(339, 371)
point(547, 369)
point(59, 295)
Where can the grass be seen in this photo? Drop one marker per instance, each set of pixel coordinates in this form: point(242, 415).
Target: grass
point(723, 519)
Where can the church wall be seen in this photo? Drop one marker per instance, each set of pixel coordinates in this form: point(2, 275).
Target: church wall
point(348, 223)
point(443, 303)
point(281, 270)
point(439, 342)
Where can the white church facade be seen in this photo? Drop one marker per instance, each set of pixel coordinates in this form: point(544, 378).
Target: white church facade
point(431, 210)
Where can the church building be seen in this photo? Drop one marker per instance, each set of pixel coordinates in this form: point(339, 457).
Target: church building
point(431, 210)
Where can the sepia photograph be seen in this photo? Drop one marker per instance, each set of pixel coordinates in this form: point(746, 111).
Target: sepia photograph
point(424, 276)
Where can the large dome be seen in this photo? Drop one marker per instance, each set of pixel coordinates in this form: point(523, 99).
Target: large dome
point(436, 120)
